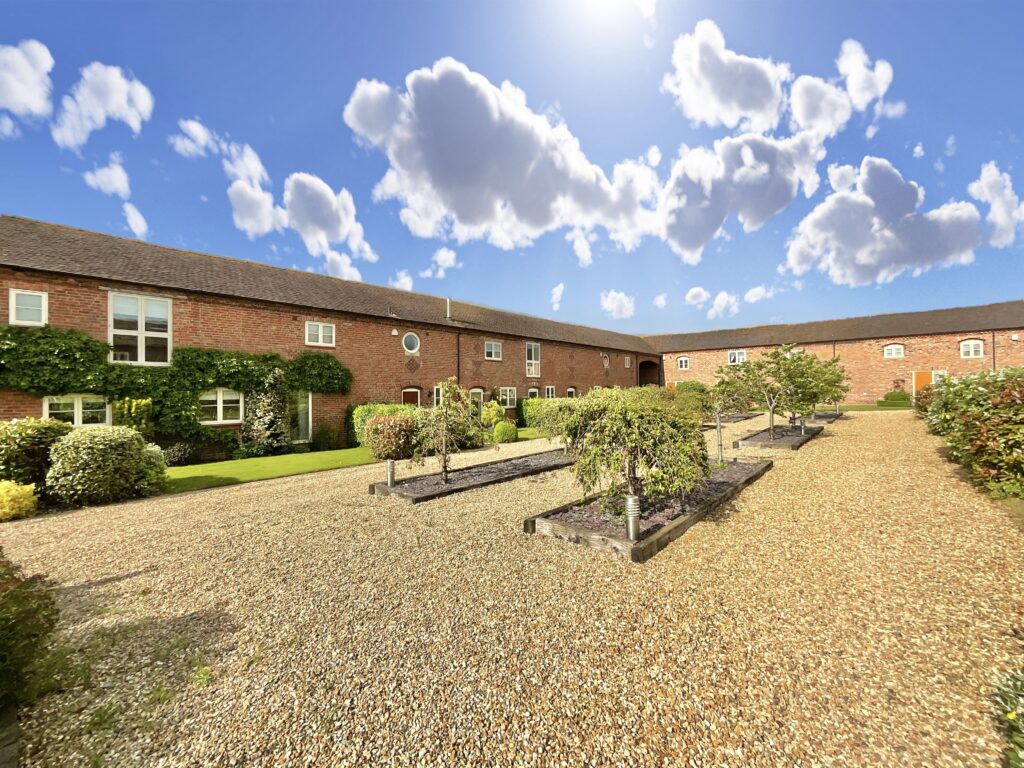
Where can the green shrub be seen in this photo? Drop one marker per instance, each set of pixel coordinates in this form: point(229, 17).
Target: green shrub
point(391, 437)
point(104, 464)
point(506, 432)
point(691, 386)
point(492, 413)
point(181, 453)
point(265, 428)
point(923, 399)
point(895, 399)
point(136, 413)
point(1009, 706)
point(28, 616)
point(25, 450)
point(311, 371)
point(16, 500)
point(363, 413)
point(326, 437)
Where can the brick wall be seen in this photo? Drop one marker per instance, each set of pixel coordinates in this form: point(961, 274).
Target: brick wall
point(872, 374)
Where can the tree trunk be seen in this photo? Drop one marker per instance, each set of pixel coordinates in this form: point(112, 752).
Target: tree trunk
point(771, 423)
point(718, 428)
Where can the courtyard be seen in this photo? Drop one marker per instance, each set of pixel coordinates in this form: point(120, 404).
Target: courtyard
point(856, 605)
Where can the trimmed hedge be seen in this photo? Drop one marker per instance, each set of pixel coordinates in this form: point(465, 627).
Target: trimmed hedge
point(25, 450)
point(391, 437)
point(28, 616)
point(104, 464)
point(533, 409)
point(358, 415)
point(691, 386)
point(506, 432)
point(895, 399)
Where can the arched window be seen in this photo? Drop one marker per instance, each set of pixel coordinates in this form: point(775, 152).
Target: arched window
point(970, 348)
point(570, 392)
point(892, 351)
point(683, 363)
point(532, 392)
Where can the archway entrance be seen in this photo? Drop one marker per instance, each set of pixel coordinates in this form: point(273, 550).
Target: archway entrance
point(650, 373)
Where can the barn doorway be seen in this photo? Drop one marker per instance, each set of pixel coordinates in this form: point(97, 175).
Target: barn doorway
point(649, 373)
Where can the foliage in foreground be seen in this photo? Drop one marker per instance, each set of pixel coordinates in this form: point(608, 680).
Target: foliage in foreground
point(391, 437)
point(448, 427)
point(1009, 706)
point(17, 500)
point(636, 441)
point(506, 432)
point(28, 615)
point(359, 415)
point(25, 450)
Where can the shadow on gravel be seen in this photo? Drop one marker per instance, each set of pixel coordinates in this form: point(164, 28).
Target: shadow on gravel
point(71, 592)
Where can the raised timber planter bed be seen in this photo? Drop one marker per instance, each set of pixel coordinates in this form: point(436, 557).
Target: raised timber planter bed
point(826, 417)
point(585, 523)
point(786, 438)
point(427, 487)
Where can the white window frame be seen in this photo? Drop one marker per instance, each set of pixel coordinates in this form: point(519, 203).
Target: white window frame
point(77, 423)
point(605, 359)
point(419, 343)
point(309, 419)
point(893, 352)
point(12, 302)
point(532, 392)
point(220, 420)
point(437, 395)
point(419, 395)
point(140, 334)
point(320, 334)
point(966, 347)
point(736, 356)
point(503, 397)
point(570, 392)
point(533, 366)
point(628, 361)
point(682, 363)
point(490, 347)
point(476, 401)
point(549, 391)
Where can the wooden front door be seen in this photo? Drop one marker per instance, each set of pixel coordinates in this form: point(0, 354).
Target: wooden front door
point(922, 379)
point(410, 396)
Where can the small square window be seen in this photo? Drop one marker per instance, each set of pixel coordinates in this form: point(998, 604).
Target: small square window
point(737, 356)
point(549, 391)
point(319, 334)
point(507, 397)
point(27, 307)
point(221, 406)
point(77, 410)
point(972, 348)
point(140, 329)
point(492, 350)
point(683, 363)
point(893, 351)
point(532, 393)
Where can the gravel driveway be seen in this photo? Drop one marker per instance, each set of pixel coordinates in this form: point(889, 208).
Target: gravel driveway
point(852, 607)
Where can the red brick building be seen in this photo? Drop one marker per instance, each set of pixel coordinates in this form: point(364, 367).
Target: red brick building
point(145, 300)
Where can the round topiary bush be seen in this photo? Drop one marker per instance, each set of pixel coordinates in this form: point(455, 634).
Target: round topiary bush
point(25, 449)
point(16, 500)
point(103, 464)
point(391, 437)
point(505, 432)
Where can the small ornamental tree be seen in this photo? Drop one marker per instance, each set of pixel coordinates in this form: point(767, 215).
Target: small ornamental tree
point(832, 383)
point(726, 397)
point(633, 441)
point(449, 424)
point(758, 381)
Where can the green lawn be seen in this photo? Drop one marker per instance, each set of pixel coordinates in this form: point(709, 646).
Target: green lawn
point(197, 476)
point(873, 408)
point(530, 433)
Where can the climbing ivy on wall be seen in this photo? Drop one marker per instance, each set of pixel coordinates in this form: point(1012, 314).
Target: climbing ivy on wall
point(52, 361)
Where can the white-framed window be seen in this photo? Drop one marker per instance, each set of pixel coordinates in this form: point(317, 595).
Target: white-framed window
point(77, 410)
point(892, 351)
point(970, 348)
point(476, 401)
point(507, 397)
point(437, 394)
point(794, 352)
point(570, 392)
point(596, 386)
point(140, 329)
point(605, 359)
point(737, 356)
point(492, 350)
point(411, 396)
point(411, 343)
point(628, 361)
point(27, 307)
point(938, 376)
point(532, 359)
point(221, 406)
point(300, 416)
point(319, 334)
point(549, 391)
point(683, 363)
point(532, 392)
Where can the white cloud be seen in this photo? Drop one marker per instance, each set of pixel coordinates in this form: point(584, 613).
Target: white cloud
point(653, 156)
point(24, 84)
point(758, 293)
point(874, 232)
point(340, 265)
point(581, 246)
point(253, 210)
point(864, 83)
point(136, 221)
point(919, 150)
point(470, 160)
point(939, 165)
point(950, 146)
point(725, 304)
point(402, 280)
point(556, 297)
point(442, 260)
point(819, 106)
point(716, 86)
point(646, 8)
point(661, 300)
point(111, 179)
point(841, 177)
point(617, 304)
point(696, 296)
point(1006, 212)
point(195, 139)
point(889, 110)
point(322, 217)
point(103, 93)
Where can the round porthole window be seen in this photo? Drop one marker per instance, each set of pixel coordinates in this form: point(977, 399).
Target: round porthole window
point(411, 343)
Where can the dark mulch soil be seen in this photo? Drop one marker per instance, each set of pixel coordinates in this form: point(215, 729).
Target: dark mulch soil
point(657, 513)
point(784, 437)
point(431, 486)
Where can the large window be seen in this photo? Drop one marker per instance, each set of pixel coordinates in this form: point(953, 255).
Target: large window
point(972, 348)
point(737, 356)
point(220, 406)
point(77, 410)
point(320, 334)
point(892, 351)
point(492, 350)
point(683, 363)
point(507, 397)
point(300, 416)
point(27, 307)
point(549, 391)
point(140, 329)
point(532, 359)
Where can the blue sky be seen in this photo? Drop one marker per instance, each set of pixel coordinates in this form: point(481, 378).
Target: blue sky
point(511, 186)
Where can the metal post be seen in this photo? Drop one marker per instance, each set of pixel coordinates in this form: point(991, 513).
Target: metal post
point(633, 517)
point(391, 473)
point(803, 425)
